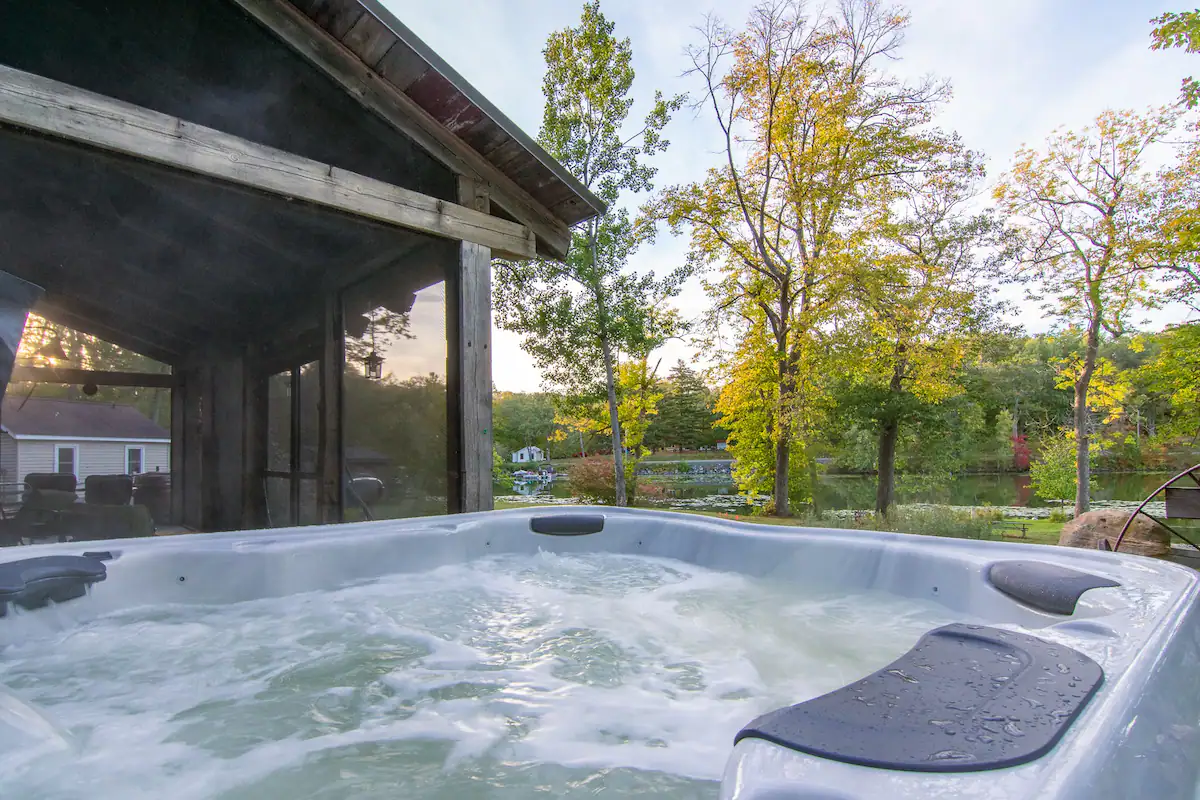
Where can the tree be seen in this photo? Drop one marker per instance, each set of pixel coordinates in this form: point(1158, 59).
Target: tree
point(1173, 241)
point(1078, 210)
point(809, 121)
point(1180, 29)
point(521, 420)
point(748, 405)
point(1053, 473)
point(640, 395)
point(919, 299)
point(381, 329)
point(84, 351)
point(578, 316)
point(684, 418)
point(1173, 372)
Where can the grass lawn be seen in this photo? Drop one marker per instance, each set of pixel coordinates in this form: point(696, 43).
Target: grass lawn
point(1041, 531)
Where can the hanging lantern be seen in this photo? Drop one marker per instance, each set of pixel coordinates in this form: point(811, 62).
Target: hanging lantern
point(374, 366)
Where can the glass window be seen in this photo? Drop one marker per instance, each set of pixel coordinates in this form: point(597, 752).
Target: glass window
point(133, 460)
point(64, 459)
point(93, 433)
point(396, 437)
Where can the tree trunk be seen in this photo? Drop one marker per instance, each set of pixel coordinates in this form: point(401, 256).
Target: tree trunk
point(1083, 472)
point(812, 479)
point(618, 451)
point(783, 429)
point(886, 490)
point(782, 463)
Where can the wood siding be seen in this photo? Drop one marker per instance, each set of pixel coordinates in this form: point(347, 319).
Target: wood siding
point(8, 459)
point(94, 458)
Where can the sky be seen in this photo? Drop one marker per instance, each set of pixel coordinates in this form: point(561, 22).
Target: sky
point(1019, 69)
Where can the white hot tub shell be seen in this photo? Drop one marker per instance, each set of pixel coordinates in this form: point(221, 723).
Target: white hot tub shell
point(1133, 735)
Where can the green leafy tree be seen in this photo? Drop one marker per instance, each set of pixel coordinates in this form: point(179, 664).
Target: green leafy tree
point(1174, 245)
point(919, 298)
point(520, 420)
point(1179, 29)
point(640, 395)
point(749, 405)
point(1077, 211)
point(579, 316)
point(1053, 473)
point(502, 476)
point(684, 419)
point(1174, 372)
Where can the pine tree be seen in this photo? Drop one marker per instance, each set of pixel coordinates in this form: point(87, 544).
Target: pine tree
point(684, 417)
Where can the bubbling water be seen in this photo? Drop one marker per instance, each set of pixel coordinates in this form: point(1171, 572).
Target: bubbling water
point(508, 677)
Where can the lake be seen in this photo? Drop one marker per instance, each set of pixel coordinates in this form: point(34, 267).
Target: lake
point(845, 492)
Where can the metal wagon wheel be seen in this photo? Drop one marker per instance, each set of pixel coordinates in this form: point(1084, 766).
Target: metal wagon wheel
point(1191, 472)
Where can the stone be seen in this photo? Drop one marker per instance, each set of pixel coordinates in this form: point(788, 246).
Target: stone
point(1144, 538)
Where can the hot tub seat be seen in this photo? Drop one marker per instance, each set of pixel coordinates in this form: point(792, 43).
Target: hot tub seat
point(966, 698)
point(33, 582)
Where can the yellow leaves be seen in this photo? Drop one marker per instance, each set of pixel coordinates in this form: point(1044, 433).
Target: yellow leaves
point(1108, 391)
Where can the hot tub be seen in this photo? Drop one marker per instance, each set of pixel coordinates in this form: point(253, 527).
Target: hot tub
point(571, 651)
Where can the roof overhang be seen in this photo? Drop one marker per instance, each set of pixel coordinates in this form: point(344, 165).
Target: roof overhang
point(388, 69)
point(36, 437)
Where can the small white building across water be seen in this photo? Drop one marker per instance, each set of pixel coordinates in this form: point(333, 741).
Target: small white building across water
point(528, 455)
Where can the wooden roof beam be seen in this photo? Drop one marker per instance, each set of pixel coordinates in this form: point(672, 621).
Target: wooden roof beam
point(404, 114)
point(149, 380)
point(59, 109)
point(149, 345)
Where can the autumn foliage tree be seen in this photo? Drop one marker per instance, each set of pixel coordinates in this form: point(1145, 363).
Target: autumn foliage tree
point(919, 299)
point(810, 120)
point(1078, 209)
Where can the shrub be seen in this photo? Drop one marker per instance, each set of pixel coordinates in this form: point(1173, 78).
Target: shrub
point(1052, 474)
point(501, 476)
point(1059, 515)
point(933, 521)
point(591, 480)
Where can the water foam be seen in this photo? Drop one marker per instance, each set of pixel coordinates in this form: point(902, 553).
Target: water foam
point(506, 677)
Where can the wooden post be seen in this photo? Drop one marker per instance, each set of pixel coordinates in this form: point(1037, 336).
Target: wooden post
point(191, 452)
point(329, 443)
point(178, 448)
point(475, 359)
point(224, 443)
point(254, 490)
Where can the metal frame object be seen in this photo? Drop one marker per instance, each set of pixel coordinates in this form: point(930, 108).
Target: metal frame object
point(1191, 472)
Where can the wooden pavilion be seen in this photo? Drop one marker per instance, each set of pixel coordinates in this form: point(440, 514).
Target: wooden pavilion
point(226, 185)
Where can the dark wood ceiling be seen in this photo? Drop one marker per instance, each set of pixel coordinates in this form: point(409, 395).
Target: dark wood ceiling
point(168, 264)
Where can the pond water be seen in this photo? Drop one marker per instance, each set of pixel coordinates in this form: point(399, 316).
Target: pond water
point(845, 492)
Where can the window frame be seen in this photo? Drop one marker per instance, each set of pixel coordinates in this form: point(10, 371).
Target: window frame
point(74, 448)
point(141, 450)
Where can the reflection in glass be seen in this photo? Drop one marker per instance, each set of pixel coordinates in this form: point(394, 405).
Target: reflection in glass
point(396, 425)
point(293, 444)
point(81, 461)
